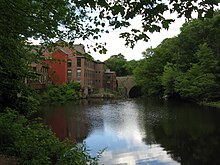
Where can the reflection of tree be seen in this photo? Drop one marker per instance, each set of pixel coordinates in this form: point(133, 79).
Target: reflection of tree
point(149, 111)
point(192, 137)
point(149, 138)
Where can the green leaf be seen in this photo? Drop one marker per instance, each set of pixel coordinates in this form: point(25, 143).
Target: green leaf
point(103, 3)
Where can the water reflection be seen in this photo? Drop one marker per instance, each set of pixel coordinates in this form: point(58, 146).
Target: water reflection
point(191, 135)
point(125, 134)
point(66, 122)
point(141, 131)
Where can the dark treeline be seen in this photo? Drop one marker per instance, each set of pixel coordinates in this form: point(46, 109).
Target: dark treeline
point(187, 66)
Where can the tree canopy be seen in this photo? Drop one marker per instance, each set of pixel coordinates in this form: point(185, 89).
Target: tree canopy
point(120, 65)
point(187, 65)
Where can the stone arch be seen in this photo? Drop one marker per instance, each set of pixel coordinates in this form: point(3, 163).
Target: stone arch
point(135, 91)
point(126, 85)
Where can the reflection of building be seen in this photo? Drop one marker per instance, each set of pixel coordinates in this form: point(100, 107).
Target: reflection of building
point(67, 124)
point(110, 80)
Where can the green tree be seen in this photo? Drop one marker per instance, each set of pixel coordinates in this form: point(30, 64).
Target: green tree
point(147, 74)
point(168, 79)
point(200, 81)
point(207, 59)
point(19, 21)
point(149, 71)
point(151, 12)
point(130, 66)
point(117, 63)
point(189, 63)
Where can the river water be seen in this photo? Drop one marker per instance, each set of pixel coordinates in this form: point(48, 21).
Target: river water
point(141, 131)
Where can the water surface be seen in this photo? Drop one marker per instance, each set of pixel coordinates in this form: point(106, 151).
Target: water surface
point(141, 131)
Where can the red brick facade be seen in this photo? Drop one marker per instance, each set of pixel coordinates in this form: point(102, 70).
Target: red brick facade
point(67, 64)
point(57, 67)
point(110, 81)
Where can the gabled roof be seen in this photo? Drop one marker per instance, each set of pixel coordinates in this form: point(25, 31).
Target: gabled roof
point(77, 49)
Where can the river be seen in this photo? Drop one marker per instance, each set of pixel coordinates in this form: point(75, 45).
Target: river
point(140, 131)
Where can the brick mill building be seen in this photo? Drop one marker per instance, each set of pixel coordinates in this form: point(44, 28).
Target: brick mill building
point(110, 80)
point(66, 64)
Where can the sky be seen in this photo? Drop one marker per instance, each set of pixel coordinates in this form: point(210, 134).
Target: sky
point(116, 45)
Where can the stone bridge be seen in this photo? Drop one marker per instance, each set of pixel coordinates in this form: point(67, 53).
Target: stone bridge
point(127, 86)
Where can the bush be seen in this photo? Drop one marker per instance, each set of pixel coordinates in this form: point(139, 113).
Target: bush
point(61, 93)
point(35, 144)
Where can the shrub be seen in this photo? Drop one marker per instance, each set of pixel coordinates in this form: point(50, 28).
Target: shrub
point(61, 93)
point(34, 143)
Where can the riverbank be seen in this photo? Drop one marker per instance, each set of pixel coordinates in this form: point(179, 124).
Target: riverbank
point(212, 104)
point(105, 94)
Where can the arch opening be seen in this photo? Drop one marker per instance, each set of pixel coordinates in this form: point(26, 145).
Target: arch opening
point(135, 92)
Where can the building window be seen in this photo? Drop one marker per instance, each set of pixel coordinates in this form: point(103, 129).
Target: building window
point(78, 62)
point(69, 75)
point(78, 74)
point(69, 63)
point(43, 70)
point(35, 69)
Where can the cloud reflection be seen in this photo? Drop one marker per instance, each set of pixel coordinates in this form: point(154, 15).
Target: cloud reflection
point(153, 154)
point(122, 135)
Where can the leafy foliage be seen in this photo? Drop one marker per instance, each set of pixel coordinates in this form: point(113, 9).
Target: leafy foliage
point(117, 14)
point(61, 93)
point(199, 81)
point(168, 79)
point(186, 65)
point(117, 63)
point(149, 71)
point(35, 144)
